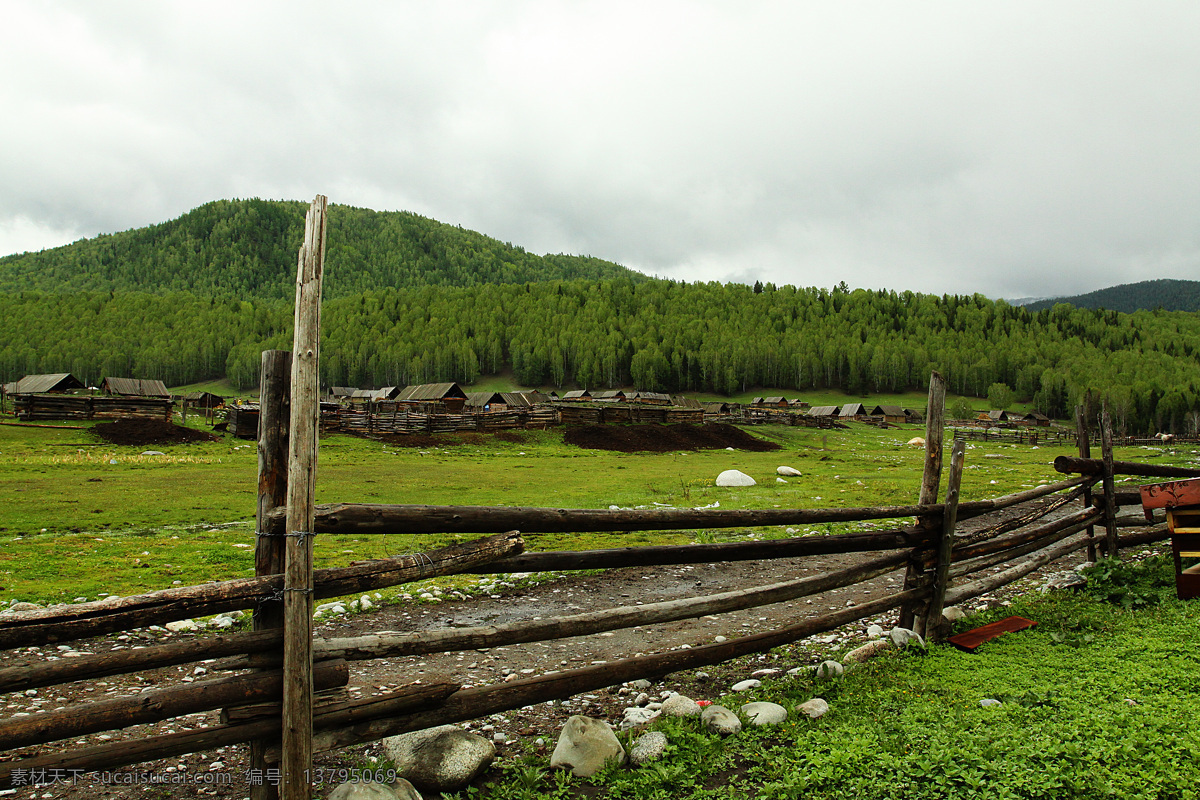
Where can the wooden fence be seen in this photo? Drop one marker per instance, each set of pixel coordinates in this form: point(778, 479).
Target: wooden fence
point(1038, 528)
point(34, 407)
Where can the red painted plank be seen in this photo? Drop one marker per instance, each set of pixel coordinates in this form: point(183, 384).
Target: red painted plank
point(971, 640)
point(1171, 494)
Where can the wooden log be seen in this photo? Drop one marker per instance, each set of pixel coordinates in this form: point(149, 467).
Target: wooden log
point(659, 555)
point(976, 549)
point(931, 477)
point(1110, 507)
point(106, 616)
point(1095, 466)
point(111, 755)
point(155, 705)
point(990, 560)
point(957, 594)
point(296, 762)
point(941, 572)
point(362, 518)
point(269, 554)
point(248, 712)
point(1022, 520)
point(388, 645)
point(1085, 452)
point(477, 702)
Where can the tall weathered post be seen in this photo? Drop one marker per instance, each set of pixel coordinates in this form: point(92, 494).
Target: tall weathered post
point(274, 381)
point(296, 760)
point(1085, 451)
point(1110, 488)
point(941, 576)
point(931, 477)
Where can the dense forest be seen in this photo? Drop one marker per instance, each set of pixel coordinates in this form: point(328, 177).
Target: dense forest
point(655, 335)
point(411, 300)
point(247, 249)
point(1165, 294)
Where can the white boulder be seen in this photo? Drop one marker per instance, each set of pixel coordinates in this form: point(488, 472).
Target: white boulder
point(732, 477)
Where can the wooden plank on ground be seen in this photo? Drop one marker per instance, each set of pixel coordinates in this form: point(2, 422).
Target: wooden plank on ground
point(969, 641)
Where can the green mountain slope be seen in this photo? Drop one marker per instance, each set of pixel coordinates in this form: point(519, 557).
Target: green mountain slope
point(248, 249)
point(1169, 295)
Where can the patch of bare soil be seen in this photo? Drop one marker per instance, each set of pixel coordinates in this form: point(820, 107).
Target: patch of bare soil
point(496, 600)
point(665, 438)
point(149, 431)
point(425, 440)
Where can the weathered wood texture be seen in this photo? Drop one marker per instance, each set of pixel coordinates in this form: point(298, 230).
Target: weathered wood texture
point(81, 620)
point(112, 755)
point(945, 545)
point(296, 762)
point(1110, 506)
point(269, 554)
point(155, 705)
point(931, 477)
point(1085, 452)
point(1095, 466)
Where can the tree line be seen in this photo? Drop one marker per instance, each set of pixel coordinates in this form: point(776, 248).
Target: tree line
point(652, 334)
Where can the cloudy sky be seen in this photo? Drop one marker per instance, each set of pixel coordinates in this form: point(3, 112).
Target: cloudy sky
point(1013, 149)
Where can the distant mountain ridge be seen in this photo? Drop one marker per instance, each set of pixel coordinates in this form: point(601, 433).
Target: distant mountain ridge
point(1164, 293)
point(248, 249)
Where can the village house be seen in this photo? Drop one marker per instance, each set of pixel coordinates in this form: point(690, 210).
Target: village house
point(134, 387)
point(448, 397)
point(55, 383)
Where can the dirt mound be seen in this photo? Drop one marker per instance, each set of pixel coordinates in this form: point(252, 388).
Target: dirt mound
point(149, 431)
point(664, 438)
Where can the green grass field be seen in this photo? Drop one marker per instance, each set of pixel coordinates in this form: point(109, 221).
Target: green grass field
point(82, 517)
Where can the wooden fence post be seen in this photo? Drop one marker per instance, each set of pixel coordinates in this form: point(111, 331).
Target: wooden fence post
point(1110, 490)
point(931, 476)
point(296, 761)
point(274, 382)
point(1085, 451)
point(941, 577)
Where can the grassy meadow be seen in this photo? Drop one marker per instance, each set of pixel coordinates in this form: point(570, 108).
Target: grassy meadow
point(81, 516)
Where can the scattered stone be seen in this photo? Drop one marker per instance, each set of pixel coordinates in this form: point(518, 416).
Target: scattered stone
point(874, 631)
point(903, 637)
point(642, 699)
point(762, 673)
point(780, 480)
point(987, 702)
point(764, 713)
point(153, 453)
point(720, 720)
point(953, 614)
point(829, 670)
point(788, 472)
point(1063, 580)
point(648, 747)
point(635, 716)
point(400, 790)
point(861, 655)
point(23, 606)
point(585, 746)
point(181, 625)
point(916, 441)
point(813, 709)
point(678, 705)
point(747, 685)
point(733, 477)
point(641, 684)
point(441, 759)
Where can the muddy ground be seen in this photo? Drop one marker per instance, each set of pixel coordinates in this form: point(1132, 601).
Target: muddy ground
point(496, 600)
point(140, 432)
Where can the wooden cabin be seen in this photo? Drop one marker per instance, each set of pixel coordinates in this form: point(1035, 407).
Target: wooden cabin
point(134, 387)
point(853, 411)
point(53, 383)
point(892, 414)
point(823, 411)
point(448, 396)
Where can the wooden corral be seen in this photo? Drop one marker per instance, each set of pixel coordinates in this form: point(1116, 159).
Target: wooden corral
point(33, 407)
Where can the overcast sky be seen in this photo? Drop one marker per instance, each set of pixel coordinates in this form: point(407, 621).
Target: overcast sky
point(1013, 149)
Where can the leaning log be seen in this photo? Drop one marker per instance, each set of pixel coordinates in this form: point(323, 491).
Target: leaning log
point(106, 616)
point(957, 594)
point(111, 755)
point(1095, 466)
point(156, 705)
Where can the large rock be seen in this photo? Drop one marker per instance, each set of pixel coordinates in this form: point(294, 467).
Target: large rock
point(720, 720)
point(585, 746)
point(648, 747)
point(441, 759)
point(788, 472)
point(678, 705)
point(903, 637)
point(400, 790)
point(764, 713)
point(828, 670)
point(817, 707)
point(732, 477)
point(868, 651)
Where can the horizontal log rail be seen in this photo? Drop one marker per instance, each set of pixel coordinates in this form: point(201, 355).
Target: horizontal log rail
point(82, 620)
point(1086, 516)
point(1095, 466)
point(111, 755)
point(157, 704)
point(985, 561)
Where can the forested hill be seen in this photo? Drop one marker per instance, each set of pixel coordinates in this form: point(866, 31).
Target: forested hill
point(248, 248)
point(1169, 295)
